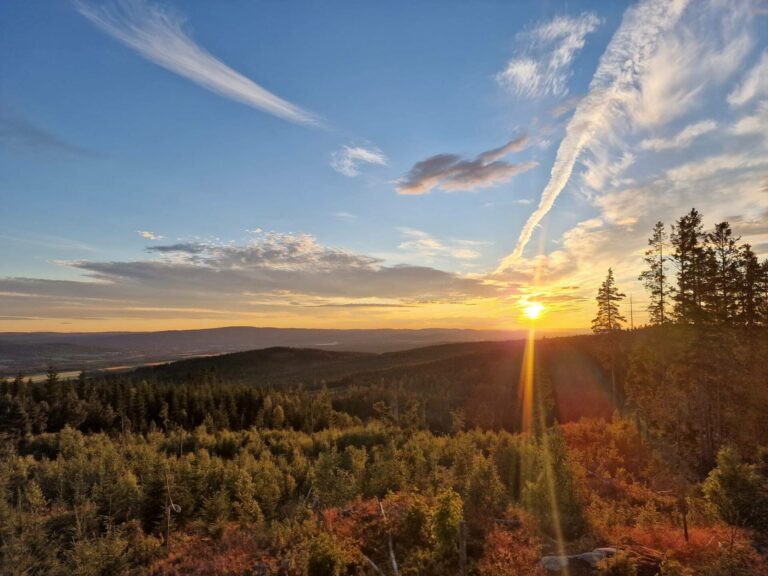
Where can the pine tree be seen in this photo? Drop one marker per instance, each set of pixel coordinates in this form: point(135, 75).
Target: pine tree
point(724, 275)
point(762, 302)
point(691, 257)
point(608, 323)
point(655, 277)
point(748, 288)
point(608, 319)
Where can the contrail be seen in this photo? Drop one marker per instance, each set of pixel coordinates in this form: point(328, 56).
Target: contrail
point(611, 90)
point(158, 36)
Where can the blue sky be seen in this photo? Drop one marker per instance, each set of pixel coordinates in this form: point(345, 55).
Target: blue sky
point(359, 164)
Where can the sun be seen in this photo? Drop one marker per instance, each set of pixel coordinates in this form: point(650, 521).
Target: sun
point(533, 310)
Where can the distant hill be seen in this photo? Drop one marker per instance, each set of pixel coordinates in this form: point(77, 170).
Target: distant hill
point(481, 377)
point(35, 351)
point(283, 366)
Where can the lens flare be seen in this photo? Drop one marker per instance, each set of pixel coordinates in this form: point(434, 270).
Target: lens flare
point(533, 310)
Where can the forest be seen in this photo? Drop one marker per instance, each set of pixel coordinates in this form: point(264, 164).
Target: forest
point(636, 451)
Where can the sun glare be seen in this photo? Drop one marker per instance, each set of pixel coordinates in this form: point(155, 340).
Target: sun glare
point(533, 310)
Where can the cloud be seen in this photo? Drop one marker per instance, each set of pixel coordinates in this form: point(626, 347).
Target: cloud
point(182, 248)
point(545, 67)
point(602, 169)
point(207, 279)
point(146, 234)
point(348, 159)
point(426, 246)
point(345, 216)
point(653, 71)
point(754, 83)
point(754, 124)
point(50, 242)
point(19, 134)
point(157, 35)
point(451, 173)
point(614, 82)
point(682, 139)
point(702, 168)
point(706, 51)
point(565, 106)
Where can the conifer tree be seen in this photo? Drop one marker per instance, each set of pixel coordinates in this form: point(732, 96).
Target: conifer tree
point(609, 319)
point(608, 322)
point(748, 287)
point(655, 277)
point(724, 274)
point(762, 289)
point(691, 257)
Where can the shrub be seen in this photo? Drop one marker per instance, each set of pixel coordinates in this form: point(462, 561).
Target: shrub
point(326, 557)
point(514, 552)
point(737, 491)
point(673, 568)
point(618, 565)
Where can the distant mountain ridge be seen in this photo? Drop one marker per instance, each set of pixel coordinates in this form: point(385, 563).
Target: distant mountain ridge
point(35, 351)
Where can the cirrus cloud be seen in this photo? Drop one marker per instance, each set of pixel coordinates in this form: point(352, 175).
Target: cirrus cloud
point(545, 67)
point(157, 34)
point(347, 160)
point(754, 83)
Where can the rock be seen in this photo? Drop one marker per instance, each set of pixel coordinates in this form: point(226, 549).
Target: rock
point(554, 563)
point(591, 558)
point(579, 563)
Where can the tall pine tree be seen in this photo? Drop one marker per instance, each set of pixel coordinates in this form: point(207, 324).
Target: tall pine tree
point(691, 258)
point(609, 319)
point(608, 322)
point(724, 276)
point(748, 295)
point(655, 277)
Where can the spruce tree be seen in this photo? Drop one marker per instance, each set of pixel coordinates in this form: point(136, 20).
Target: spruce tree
point(748, 288)
point(609, 319)
point(608, 323)
point(691, 258)
point(655, 277)
point(723, 278)
point(762, 301)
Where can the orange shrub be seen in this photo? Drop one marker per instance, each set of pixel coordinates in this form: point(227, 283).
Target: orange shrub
point(515, 552)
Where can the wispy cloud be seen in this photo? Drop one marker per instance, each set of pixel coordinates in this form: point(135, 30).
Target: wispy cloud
point(600, 170)
point(545, 66)
point(701, 168)
point(565, 106)
point(427, 246)
point(702, 52)
point(752, 124)
point(347, 160)
point(754, 83)
point(50, 242)
point(614, 83)
point(17, 133)
point(345, 216)
point(452, 173)
point(680, 140)
point(147, 235)
point(157, 34)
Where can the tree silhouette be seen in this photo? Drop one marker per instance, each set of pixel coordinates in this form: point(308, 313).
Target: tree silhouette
point(655, 277)
point(609, 319)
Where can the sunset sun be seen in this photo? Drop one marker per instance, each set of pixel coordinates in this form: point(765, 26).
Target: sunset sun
point(533, 310)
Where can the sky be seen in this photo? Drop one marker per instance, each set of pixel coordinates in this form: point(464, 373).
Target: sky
point(169, 165)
